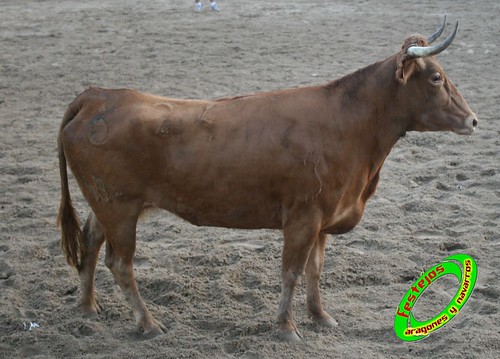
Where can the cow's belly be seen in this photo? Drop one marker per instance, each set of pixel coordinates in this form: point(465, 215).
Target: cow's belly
point(209, 189)
point(243, 211)
point(240, 218)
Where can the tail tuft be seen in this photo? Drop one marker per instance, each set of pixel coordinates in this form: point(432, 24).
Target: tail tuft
point(72, 242)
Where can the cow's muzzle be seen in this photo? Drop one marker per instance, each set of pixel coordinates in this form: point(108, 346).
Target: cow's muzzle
point(469, 125)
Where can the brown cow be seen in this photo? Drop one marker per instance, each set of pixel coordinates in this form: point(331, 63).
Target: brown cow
point(304, 160)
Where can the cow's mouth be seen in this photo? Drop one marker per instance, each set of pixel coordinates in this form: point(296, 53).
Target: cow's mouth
point(469, 127)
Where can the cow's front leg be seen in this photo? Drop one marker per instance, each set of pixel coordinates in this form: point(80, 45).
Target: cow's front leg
point(299, 238)
point(314, 268)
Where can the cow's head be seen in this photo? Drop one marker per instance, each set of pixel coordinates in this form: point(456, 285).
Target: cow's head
point(434, 102)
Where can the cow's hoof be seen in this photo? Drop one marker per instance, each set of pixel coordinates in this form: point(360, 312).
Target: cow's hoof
point(90, 315)
point(290, 336)
point(90, 311)
point(155, 330)
point(323, 319)
point(326, 322)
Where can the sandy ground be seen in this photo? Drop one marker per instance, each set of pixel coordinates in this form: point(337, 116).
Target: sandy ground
point(217, 290)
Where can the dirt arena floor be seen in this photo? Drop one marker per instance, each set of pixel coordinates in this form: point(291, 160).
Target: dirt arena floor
point(217, 290)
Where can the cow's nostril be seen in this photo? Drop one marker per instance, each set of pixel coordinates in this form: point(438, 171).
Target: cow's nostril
point(474, 123)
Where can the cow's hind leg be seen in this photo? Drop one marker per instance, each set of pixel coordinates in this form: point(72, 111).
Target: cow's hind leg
point(120, 248)
point(94, 238)
point(299, 238)
point(314, 268)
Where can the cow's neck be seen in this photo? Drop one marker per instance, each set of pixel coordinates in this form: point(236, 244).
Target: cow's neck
point(369, 96)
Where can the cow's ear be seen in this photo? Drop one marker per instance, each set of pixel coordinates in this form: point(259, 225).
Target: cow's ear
point(407, 65)
point(405, 69)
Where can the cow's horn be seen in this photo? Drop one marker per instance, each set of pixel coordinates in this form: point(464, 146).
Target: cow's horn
point(438, 32)
point(420, 51)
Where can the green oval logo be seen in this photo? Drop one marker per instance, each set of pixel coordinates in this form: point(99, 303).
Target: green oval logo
point(409, 329)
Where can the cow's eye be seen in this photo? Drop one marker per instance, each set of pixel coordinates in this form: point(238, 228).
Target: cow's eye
point(437, 78)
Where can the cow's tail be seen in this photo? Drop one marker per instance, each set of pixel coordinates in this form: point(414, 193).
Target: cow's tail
point(72, 241)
